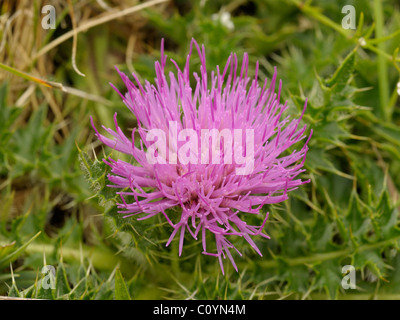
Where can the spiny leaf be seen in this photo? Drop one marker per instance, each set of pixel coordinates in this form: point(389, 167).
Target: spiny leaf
point(62, 285)
point(45, 287)
point(341, 76)
point(121, 290)
point(13, 292)
point(14, 255)
point(386, 217)
point(371, 259)
point(329, 277)
point(357, 221)
point(387, 131)
point(6, 249)
point(29, 292)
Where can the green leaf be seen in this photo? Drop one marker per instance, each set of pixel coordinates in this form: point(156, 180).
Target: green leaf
point(297, 277)
point(13, 292)
point(4, 261)
point(342, 74)
point(104, 292)
point(120, 290)
point(331, 132)
point(357, 222)
point(329, 277)
point(371, 259)
point(62, 285)
point(29, 292)
point(46, 294)
point(387, 131)
point(386, 217)
point(322, 232)
point(6, 249)
point(45, 286)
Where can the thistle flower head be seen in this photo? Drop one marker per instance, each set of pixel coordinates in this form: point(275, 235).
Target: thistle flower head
point(217, 151)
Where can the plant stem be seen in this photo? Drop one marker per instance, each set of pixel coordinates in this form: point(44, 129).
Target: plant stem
point(102, 259)
point(313, 12)
point(324, 256)
point(381, 65)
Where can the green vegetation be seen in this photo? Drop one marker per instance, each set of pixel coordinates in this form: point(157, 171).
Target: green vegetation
point(55, 208)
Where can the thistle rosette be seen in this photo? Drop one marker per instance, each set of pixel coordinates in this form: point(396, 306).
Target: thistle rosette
point(194, 154)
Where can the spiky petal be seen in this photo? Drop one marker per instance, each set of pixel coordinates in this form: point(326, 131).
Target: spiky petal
point(212, 197)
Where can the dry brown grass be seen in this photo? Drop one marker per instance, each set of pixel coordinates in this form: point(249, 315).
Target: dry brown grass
point(27, 47)
point(23, 45)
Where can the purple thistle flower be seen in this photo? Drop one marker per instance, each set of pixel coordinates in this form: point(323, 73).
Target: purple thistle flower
point(212, 196)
